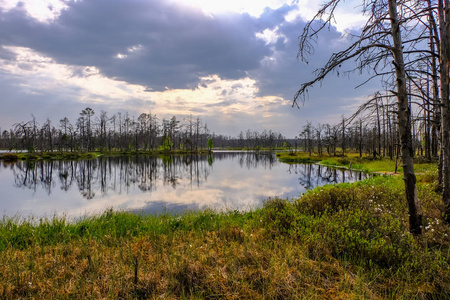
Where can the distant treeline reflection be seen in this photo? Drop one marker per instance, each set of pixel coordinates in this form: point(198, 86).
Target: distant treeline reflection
point(121, 174)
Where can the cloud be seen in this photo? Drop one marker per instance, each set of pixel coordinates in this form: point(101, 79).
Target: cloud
point(151, 43)
point(282, 73)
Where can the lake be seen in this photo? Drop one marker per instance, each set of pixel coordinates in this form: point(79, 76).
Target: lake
point(222, 181)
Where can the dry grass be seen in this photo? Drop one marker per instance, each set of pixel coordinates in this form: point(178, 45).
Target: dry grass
point(214, 267)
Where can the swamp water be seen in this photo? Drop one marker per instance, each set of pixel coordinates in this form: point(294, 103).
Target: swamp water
point(147, 184)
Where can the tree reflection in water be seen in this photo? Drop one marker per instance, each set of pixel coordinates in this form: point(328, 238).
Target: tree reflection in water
point(118, 174)
point(313, 175)
point(223, 180)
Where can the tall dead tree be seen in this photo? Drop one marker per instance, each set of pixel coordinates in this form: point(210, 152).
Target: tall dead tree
point(379, 46)
point(444, 62)
point(404, 123)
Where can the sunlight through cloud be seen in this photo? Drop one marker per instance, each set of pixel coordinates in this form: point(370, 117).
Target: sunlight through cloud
point(42, 10)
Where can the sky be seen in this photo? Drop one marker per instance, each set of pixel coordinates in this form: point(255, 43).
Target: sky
point(232, 63)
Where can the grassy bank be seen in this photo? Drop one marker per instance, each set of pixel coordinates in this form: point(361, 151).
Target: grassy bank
point(353, 161)
point(67, 155)
point(48, 156)
point(335, 242)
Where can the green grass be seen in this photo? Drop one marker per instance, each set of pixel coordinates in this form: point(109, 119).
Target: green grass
point(54, 155)
point(353, 161)
point(9, 157)
point(298, 157)
point(66, 155)
point(364, 164)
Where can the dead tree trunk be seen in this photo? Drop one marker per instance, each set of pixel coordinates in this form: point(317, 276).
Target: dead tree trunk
point(415, 214)
point(444, 21)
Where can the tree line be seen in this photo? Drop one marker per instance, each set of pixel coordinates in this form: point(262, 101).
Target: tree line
point(124, 132)
point(372, 131)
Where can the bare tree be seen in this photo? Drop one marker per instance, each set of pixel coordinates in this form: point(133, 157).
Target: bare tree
point(444, 65)
point(379, 42)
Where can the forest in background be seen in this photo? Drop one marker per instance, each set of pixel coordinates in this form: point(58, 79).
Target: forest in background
point(370, 131)
point(124, 132)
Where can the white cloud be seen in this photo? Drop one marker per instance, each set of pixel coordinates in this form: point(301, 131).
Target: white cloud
point(348, 14)
point(135, 48)
point(42, 10)
point(45, 75)
point(271, 36)
point(130, 51)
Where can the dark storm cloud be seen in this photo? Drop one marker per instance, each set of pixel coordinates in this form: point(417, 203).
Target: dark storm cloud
point(284, 74)
point(273, 17)
point(174, 45)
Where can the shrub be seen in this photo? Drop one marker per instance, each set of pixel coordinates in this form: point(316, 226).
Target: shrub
point(280, 215)
point(10, 157)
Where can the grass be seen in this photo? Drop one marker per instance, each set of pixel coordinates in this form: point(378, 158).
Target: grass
point(67, 155)
point(9, 157)
point(299, 157)
point(334, 242)
point(353, 161)
point(57, 155)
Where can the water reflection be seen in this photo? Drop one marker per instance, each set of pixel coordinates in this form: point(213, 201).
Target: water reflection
point(313, 175)
point(233, 180)
point(110, 174)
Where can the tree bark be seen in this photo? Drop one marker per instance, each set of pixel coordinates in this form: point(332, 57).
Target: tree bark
point(444, 21)
point(404, 125)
